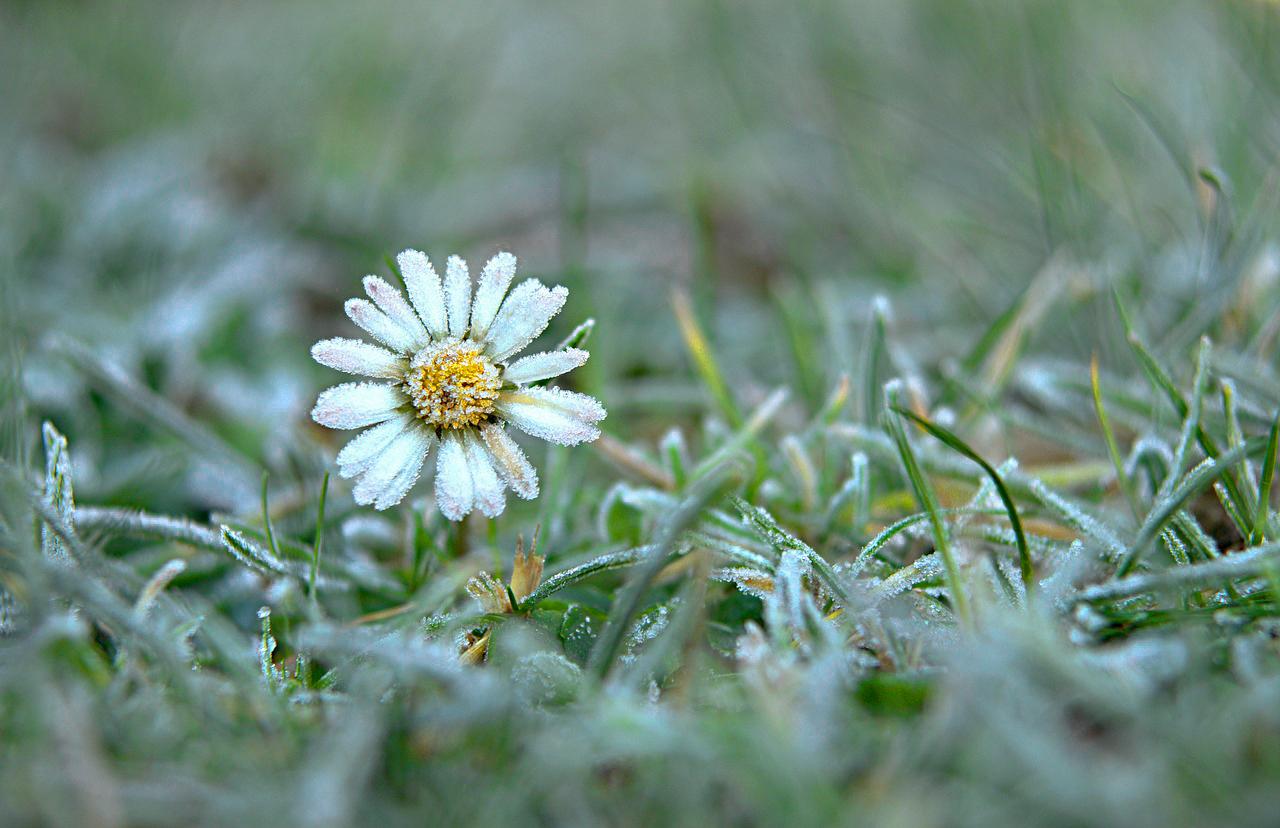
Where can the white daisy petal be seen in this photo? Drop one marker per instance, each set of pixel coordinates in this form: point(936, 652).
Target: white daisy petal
point(357, 404)
point(523, 316)
point(380, 326)
point(423, 284)
point(404, 479)
point(354, 356)
point(488, 488)
point(552, 414)
point(544, 366)
point(579, 406)
point(391, 302)
point(455, 492)
point(549, 424)
point(510, 461)
point(494, 281)
point(360, 453)
point(395, 471)
point(457, 295)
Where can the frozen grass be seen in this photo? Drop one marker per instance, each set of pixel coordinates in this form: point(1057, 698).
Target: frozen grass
point(939, 342)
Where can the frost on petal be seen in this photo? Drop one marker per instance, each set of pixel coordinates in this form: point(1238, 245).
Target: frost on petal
point(411, 467)
point(354, 356)
point(395, 471)
point(379, 326)
point(357, 404)
point(487, 486)
point(494, 281)
point(552, 414)
point(360, 453)
point(579, 406)
point(457, 295)
point(455, 493)
point(391, 302)
point(523, 316)
point(423, 284)
point(510, 461)
point(544, 366)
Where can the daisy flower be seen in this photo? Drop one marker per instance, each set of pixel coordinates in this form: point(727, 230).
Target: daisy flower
point(449, 383)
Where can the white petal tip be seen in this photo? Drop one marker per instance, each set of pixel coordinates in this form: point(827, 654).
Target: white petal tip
point(451, 510)
point(410, 257)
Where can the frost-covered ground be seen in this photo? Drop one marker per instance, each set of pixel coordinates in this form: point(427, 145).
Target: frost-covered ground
point(939, 344)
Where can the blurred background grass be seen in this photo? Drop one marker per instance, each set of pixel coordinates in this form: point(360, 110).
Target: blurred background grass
point(188, 191)
point(194, 188)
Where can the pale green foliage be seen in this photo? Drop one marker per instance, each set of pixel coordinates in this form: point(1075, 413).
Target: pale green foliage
point(750, 611)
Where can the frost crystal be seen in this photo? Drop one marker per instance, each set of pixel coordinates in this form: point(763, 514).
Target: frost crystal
point(1092, 528)
point(755, 582)
point(57, 493)
point(924, 568)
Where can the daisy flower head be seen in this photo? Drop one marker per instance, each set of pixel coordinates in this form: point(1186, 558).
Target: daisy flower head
point(446, 380)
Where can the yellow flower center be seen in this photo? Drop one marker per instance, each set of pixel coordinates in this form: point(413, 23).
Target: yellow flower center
point(453, 385)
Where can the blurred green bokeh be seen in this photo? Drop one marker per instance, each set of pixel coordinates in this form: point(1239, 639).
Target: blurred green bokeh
point(208, 180)
point(844, 188)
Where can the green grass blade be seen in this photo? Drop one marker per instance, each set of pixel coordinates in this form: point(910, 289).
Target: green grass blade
point(578, 337)
point(627, 604)
point(1250, 563)
point(266, 519)
point(743, 437)
point(1264, 485)
point(928, 503)
point(604, 563)
point(1113, 449)
point(1161, 381)
point(319, 541)
point(780, 539)
point(953, 442)
point(872, 353)
point(891, 531)
point(704, 359)
point(1203, 475)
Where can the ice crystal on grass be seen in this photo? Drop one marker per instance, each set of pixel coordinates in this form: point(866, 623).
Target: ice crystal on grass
point(1095, 530)
point(646, 628)
point(272, 674)
point(923, 569)
point(755, 582)
point(1056, 586)
point(57, 493)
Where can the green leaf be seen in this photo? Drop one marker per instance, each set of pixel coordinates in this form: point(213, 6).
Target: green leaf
point(578, 337)
point(887, 694)
point(577, 633)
